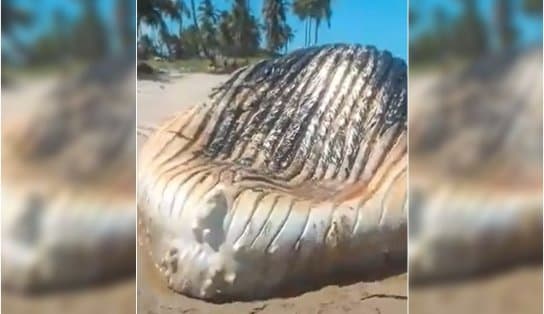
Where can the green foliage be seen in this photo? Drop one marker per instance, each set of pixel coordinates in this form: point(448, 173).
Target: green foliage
point(244, 28)
point(146, 48)
point(85, 39)
point(233, 33)
point(13, 16)
point(207, 17)
point(277, 31)
point(89, 39)
point(155, 12)
point(313, 10)
point(190, 42)
point(464, 36)
point(469, 34)
point(507, 34)
point(77, 39)
point(225, 35)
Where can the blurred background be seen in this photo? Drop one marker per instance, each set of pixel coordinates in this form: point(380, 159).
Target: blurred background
point(475, 129)
point(68, 156)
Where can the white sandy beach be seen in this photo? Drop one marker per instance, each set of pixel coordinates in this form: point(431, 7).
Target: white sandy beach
point(157, 100)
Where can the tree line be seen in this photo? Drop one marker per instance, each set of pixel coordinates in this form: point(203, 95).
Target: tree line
point(234, 32)
point(86, 37)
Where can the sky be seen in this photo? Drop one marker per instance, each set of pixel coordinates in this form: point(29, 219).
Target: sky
point(530, 28)
point(44, 10)
point(43, 13)
point(382, 23)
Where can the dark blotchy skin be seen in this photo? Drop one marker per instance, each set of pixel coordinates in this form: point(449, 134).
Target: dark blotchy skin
point(297, 158)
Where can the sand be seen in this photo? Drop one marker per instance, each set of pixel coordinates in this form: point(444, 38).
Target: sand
point(158, 100)
point(517, 290)
point(115, 298)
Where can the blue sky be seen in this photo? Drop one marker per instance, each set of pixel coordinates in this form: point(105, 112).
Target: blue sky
point(382, 23)
point(530, 28)
point(378, 22)
point(43, 12)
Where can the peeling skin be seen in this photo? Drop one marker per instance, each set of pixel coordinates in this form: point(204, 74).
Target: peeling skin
point(293, 171)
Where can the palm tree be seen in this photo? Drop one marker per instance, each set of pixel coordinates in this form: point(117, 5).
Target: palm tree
point(301, 8)
point(155, 12)
point(196, 26)
point(469, 31)
point(146, 48)
point(195, 21)
point(185, 12)
point(224, 29)
point(189, 40)
point(124, 23)
point(244, 29)
point(278, 33)
point(319, 10)
point(208, 21)
point(13, 16)
point(312, 10)
point(89, 33)
point(504, 24)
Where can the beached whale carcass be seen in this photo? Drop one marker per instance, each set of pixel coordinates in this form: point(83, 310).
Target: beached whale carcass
point(293, 170)
point(68, 192)
point(476, 169)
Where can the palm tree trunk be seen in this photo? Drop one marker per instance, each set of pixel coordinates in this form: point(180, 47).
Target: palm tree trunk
point(197, 27)
point(309, 32)
point(193, 13)
point(316, 30)
point(305, 32)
